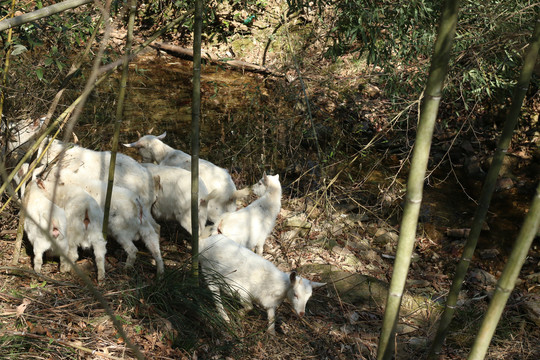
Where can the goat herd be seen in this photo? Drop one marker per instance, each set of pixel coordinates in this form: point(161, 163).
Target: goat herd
point(65, 200)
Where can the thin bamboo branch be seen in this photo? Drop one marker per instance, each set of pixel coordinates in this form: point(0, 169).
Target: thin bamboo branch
point(41, 13)
point(20, 228)
point(507, 281)
point(487, 191)
point(415, 182)
point(195, 129)
point(119, 111)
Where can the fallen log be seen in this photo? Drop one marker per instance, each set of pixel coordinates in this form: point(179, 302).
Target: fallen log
point(187, 54)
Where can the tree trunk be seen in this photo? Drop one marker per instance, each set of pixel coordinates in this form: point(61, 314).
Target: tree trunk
point(119, 111)
point(187, 54)
point(195, 124)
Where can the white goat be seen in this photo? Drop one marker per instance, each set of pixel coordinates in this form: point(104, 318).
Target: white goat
point(252, 278)
point(152, 149)
point(174, 196)
point(89, 164)
point(84, 221)
point(42, 214)
point(128, 219)
point(18, 135)
point(251, 225)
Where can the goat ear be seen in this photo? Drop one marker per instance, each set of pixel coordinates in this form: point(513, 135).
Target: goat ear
point(40, 184)
point(35, 124)
point(292, 277)
point(162, 136)
point(315, 284)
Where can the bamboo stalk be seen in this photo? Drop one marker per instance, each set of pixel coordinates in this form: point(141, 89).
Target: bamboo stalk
point(428, 115)
point(507, 281)
point(487, 191)
point(9, 48)
point(119, 111)
point(195, 129)
point(41, 13)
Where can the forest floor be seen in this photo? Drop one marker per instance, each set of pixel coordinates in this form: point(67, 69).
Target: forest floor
point(346, 237)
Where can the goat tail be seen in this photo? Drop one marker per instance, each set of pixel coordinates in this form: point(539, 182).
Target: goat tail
point(86, 220)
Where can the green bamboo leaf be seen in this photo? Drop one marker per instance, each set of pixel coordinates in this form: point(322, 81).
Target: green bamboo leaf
point(60, 65)
point(39, 73)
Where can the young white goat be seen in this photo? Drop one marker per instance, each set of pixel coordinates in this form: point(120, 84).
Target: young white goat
point(251, 225)
point(42, 214)
point(152, 149)
point(252, 278)
point(174, 196)
point(89, 164)
point(18, 136)
point(84, 221)
point(128, 219)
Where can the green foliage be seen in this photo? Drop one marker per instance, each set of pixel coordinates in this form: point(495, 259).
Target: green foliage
point(399, 37)
point(54, 37)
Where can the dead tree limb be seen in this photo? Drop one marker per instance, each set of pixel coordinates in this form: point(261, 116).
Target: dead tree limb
point(240, 65)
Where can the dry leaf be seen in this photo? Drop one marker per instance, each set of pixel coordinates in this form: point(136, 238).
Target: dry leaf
point(21, 308)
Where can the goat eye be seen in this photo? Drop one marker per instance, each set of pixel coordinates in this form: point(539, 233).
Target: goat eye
point(295, 296)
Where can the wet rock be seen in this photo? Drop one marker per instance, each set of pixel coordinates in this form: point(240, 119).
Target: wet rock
point(405, 329)
point(420, 343)
point(299, 223)
point(385, 237)
point(347, 257)
point(467, 147)
point(473, 168)
point(353, 219)
point(534, 277)
point(372, 229)
point(370, 90)
point(482, 278)
point(367, 293)
point(372, 256)
point(509, 162)
point(487, 254)
point(504, 183)
point(359, 243)
point(531, 305)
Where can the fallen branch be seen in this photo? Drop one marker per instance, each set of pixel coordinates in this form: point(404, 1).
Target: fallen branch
point(187, 54)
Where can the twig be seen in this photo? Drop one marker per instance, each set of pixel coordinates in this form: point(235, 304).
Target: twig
point(61, 342)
